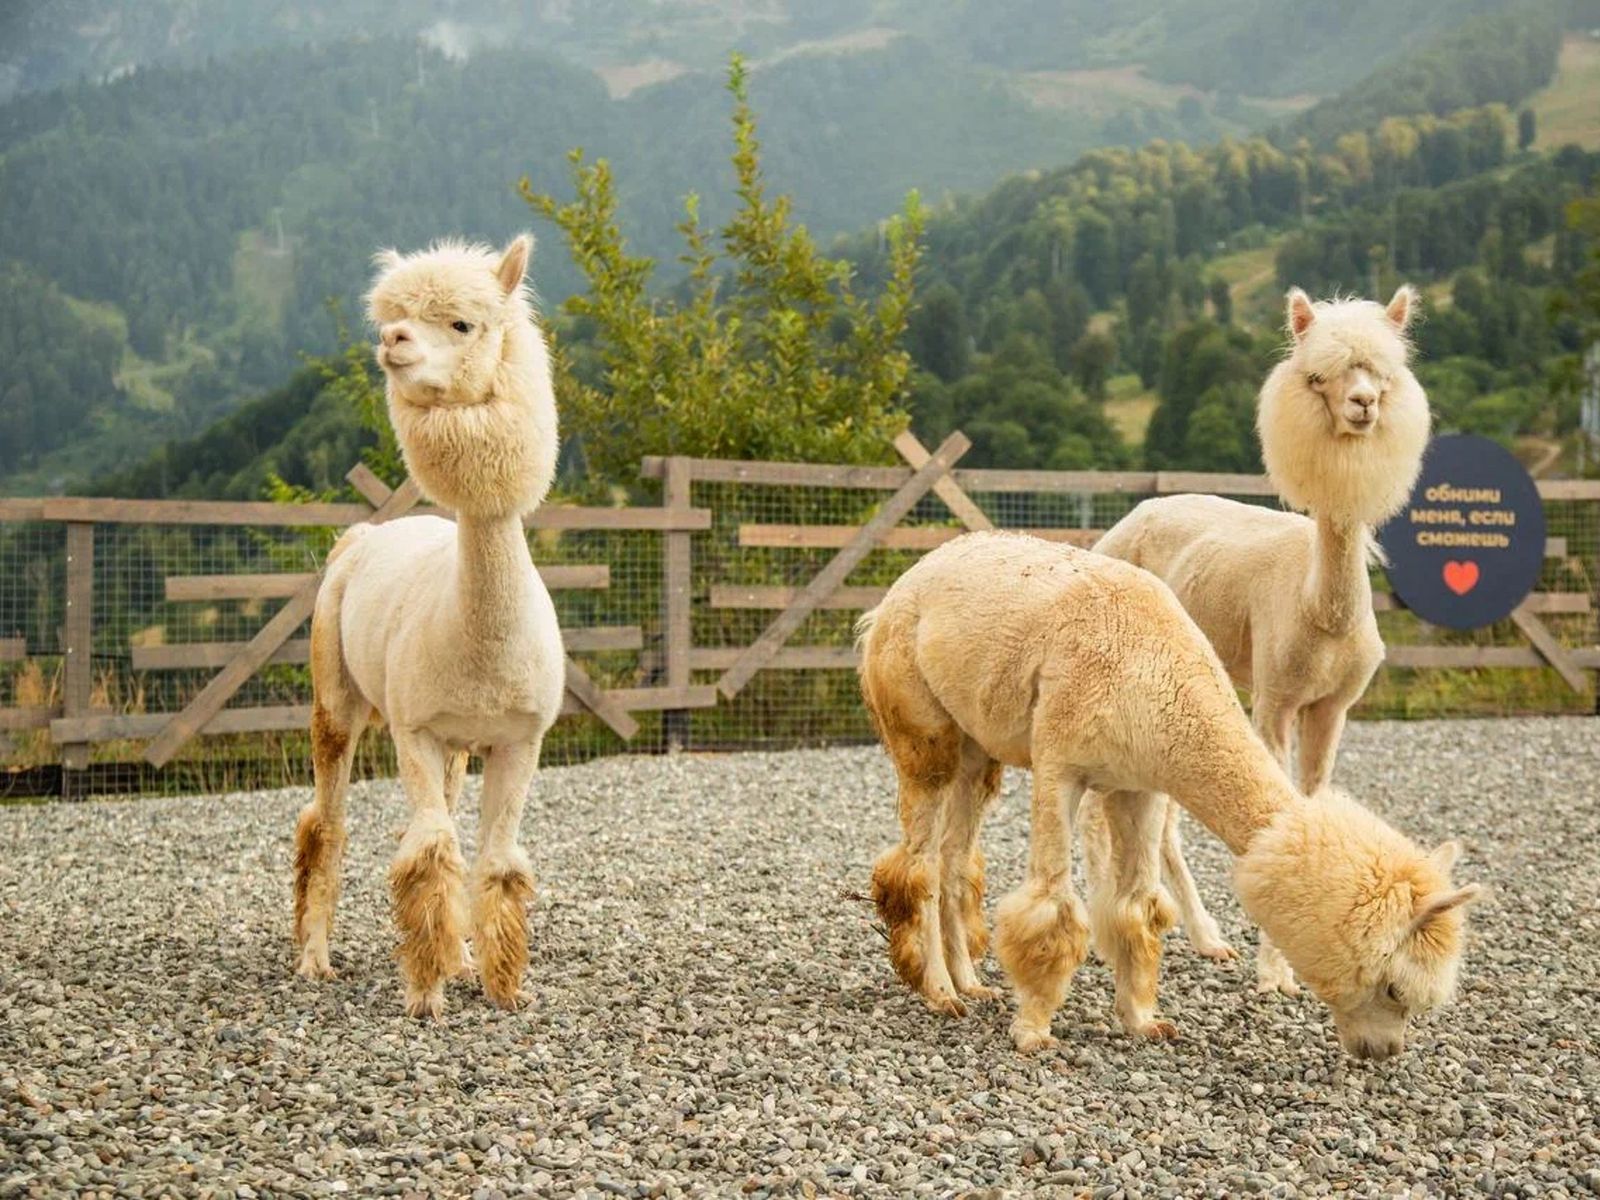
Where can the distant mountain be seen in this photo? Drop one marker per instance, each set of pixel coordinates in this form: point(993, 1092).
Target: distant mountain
point(1247, 47)
point(225, 168)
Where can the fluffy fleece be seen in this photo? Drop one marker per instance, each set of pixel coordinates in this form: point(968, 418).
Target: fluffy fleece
point(1285, 599)
point(443, 629)
point(1001, 648)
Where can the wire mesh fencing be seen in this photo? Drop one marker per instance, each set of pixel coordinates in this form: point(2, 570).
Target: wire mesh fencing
point(174, 601)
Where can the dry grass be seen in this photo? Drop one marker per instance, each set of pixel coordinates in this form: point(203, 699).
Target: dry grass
point(1569, 109)
point(622, 81)
point(1101, 92)
point(1129, 407)
point(1252, 277)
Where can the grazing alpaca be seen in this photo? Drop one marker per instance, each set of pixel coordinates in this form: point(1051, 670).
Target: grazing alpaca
point(443, 629)
point(1285, 598)
point(1001, 648)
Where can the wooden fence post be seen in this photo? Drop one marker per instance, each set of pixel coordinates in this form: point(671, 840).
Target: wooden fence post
point(677, 624)
point(77, 683)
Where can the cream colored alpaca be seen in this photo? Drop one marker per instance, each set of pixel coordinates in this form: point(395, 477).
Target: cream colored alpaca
point(1284, 598)
point(443, 629)
point(1001, 648)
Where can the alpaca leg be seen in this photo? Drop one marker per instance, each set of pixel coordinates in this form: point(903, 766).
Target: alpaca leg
point(1129, 911)
point(455, 781)
point(1274, 718)
point(1041, 934)
point(1321, 727)
point(425, 881)
point(966, 936)
point(1204, 933)
point(319, 836)
point(502, 879)
point(906, 888)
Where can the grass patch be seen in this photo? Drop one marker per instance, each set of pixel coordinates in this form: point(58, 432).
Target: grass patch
point(1129, 407)
point(1569, 109)
point(1252, 278)
point(263, 278)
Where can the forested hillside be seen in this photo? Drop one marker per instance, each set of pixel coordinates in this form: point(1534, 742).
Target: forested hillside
point(189, 246)
point(1123, 310)
point(1291, 47)
point(220, 207)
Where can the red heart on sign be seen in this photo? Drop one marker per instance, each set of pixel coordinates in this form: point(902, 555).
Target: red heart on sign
point(1461, 577)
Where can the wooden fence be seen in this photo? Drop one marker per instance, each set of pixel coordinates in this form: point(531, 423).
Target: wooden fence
point(673, 673)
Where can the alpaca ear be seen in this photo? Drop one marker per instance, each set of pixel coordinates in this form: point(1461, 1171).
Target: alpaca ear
point(514, 263)
point(1301, 314)
point(1445, 854)
point(387, 259)
point(1403, 306)
point(1440, 903)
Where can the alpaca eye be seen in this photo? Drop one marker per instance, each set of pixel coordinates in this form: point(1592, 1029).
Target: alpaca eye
point(1394, 996)
point(460, 326)
point(1315, 380)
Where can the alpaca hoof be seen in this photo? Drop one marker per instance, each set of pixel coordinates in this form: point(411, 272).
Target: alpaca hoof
point(981, 993)
point(425, 1004)
point(1283, 983)
point(1029, 1040)
point(314, 966)
point(1157, 1030)
point(515, 1002)
point(946, 1004)
point(469, 968)
point(1216, 951)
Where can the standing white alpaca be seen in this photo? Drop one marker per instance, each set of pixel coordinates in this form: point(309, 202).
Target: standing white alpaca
point(443, 629)
point(1285, 598)
point(1002, 648)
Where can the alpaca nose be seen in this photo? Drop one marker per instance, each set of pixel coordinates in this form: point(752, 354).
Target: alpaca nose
point(1377, 1051)
point(393, 335)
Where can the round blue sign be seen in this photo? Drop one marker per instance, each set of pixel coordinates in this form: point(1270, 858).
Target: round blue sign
point(1469, 544)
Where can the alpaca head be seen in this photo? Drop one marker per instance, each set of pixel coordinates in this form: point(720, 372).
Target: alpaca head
point(468, 375)
point(1369, 921)
point(1343, 421)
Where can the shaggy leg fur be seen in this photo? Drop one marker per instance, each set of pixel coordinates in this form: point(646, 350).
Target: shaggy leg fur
point(966, 936)
point(926, 747)
point(426, 881)
point(502, 880)
point(455, 781)
point(906, 889)
point(1274, 718)
point(1041, 935)
point(1204, 933)
point(1128, 910)
point(319, 837)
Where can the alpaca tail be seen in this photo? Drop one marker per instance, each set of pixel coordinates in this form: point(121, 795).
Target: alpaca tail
point(864, 627)
point(347, 539)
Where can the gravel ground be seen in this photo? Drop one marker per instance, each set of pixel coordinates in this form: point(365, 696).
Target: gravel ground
point(716, 1014)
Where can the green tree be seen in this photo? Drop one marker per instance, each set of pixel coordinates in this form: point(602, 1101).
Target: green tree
point(751, 364)
point(937, 336)
point(1093, 356)
point(1527, 129)
point(1221, 300)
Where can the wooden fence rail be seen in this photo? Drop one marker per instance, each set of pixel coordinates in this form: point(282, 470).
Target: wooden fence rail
point(677, 675)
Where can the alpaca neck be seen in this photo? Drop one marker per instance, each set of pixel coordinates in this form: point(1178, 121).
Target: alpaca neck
point(1234, 790)
point(1338, 592)
point(494, 576)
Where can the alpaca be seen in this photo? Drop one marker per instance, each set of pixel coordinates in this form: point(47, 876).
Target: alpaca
point(443, 629)
point(1285, 598)
point(1001, 648)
